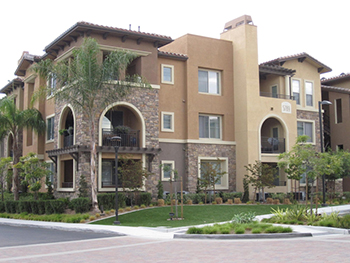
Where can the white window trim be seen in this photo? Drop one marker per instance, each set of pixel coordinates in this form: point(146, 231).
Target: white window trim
point(224, 168)
point(301, 97)
point(313, 130)
point(211, 139)
point(172, 129)
point(313, 93)
point(172, 74)
point(172, 163)
point(47, 118)
point(211, 70)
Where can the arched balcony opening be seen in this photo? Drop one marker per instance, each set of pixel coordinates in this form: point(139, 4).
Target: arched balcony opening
point(67, 128)
point(272, 137)
point(122, 121)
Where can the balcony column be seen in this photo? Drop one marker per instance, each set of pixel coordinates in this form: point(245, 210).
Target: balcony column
point(287, 85)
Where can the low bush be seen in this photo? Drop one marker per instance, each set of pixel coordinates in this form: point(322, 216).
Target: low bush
point(243, 218)
point(108, 200)
point(81, 204)
point(195, 230)
point(145, 198)
point(240, 230)
point(2, 207)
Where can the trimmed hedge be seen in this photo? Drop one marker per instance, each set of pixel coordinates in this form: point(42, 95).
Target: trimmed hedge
point(108, 200)
point(33, 207)
point(81, 204)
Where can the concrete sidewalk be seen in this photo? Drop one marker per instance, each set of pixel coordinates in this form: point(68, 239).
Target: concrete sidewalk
point(167, 233)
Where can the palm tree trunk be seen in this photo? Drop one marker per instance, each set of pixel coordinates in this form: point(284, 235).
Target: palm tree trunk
point(16, 156)
point(93, 167)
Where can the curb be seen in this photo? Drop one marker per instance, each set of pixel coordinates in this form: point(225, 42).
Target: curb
point(243, 236)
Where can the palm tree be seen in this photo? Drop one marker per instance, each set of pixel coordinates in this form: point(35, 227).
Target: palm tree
point(12, 122)
point(88, 81)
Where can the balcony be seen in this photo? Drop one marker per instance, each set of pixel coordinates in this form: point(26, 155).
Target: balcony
point(68, 140)
point(129, 139)
point(272, 145)
point(276, 95)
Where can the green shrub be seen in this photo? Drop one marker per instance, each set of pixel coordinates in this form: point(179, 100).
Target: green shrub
point(80, 204)
point(278, 229)
point(256, 230)
point(344, 222)
point(239, 230)
point(211, 229)
point(24, 206)
point(11, 207)
point(2, 207)
point(145, 198)
point(233, 195)
point(41, 207)
point(243, 218)
point(195, 230)
point(48, 207)
point(108, 200)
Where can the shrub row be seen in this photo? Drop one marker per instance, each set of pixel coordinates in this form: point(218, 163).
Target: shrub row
point(197, 198)
point(33, 207)
point(108, 200)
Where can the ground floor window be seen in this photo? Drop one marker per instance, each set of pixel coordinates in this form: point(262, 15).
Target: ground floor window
point(215, 165)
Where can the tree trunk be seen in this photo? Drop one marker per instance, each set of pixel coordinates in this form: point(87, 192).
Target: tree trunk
point(16, 156)
point(93, 155)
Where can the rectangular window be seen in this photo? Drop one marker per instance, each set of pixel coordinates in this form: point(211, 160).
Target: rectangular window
point(52, 85)
point(309, 93)
point(209, 81)
point(167, 122)
point(167, 74)
point(338, 111)
point(212, 165)
point(296, 90)
point(168, 170)
point(51, 168)
point(306, 128)
point(50, 130)
point(209, 127)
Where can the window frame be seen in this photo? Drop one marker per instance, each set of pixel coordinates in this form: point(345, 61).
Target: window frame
point(338, 118)
point(172, 128)
point(220, 127)
point(224, 185)
point(51, 130)
point(277, 90)
point(306, 94)
point(171, 74)
point(299, 81)
point(167, 162)
point(218, 80)
point(313, 129)
point(52, 85)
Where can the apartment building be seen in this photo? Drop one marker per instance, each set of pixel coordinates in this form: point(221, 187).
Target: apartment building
point(210, 101)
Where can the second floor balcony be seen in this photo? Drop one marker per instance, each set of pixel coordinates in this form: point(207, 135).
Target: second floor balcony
point(128, 139)
point(272, 145)
point(276, 95)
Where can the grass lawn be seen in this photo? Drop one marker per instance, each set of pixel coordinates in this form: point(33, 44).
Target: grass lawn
point(193, 215)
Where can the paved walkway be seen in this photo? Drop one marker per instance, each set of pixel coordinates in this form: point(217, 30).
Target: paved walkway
point(168, 233)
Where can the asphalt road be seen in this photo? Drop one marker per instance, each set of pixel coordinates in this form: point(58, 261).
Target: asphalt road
point(22, 235)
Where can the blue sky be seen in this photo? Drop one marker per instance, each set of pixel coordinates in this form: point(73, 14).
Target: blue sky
point(319, 28)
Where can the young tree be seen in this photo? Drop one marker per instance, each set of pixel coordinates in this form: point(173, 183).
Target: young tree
point(211, 174)
point(34, 172)
point(5, 164)
point(260, 175)
point(89, 80)
point(12, 123)
point(132, 176)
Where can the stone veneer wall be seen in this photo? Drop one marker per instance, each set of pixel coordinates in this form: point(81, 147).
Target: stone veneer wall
point(311, 115)
point(193, 151)
point(147, 102)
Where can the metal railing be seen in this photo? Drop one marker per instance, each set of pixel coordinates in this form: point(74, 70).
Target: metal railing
point(67, 184)
point(68, 140)
point(272, 145)
point(130, 139)
point(276, 95)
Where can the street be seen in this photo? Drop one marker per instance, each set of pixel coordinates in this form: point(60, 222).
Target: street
point(69, 246)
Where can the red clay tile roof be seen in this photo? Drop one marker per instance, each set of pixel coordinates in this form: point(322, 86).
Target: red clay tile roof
point(85, 26)
point(8, 88)
point(172, 55)
point(335, 89)
point(341, 76)
point(301, 56)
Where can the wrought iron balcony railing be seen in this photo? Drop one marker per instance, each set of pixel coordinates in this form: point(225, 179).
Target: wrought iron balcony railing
point(272, 145)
